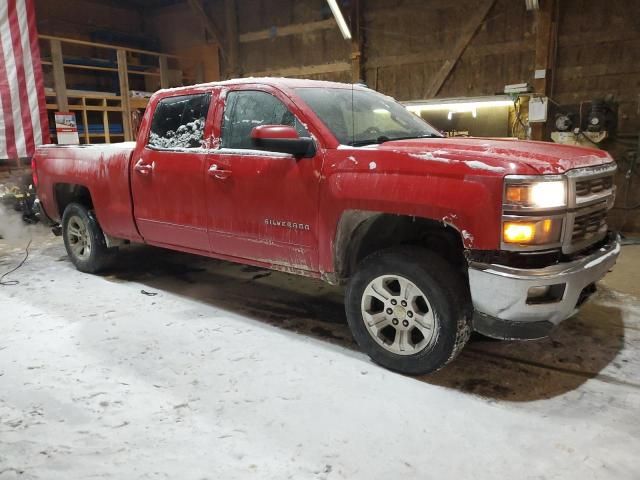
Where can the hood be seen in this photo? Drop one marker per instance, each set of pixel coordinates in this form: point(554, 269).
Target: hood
point(507, 155)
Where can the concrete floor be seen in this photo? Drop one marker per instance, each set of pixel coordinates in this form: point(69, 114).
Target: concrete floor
point(175, 366)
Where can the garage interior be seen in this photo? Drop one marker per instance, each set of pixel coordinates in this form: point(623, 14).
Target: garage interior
point(171, 365)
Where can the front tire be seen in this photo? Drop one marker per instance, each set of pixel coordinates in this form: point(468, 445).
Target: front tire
point(84, 240)
point(409, 310)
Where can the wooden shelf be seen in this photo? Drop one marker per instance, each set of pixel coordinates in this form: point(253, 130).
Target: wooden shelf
point(92, 102)
point(101, 69)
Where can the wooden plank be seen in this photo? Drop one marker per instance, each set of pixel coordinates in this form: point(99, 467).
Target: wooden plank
point(105, 122)
point(208, 23)
point(59, 82)
point(85, 121)
point(164, 71)
point(597, 70)
point(231, 28)
point(472, 51)
point(101, 45)
point(543, 57)
point(305, 70)
point(293, 29)
point(600, 36)
point(101, 69)
point(468, 33)
point(123, 78)
point(357, 72)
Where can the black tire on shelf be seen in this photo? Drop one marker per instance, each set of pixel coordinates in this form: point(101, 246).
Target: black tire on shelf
point(444, 298)
point(84, 240)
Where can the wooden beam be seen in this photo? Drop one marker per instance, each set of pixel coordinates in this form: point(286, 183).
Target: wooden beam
point(101, 45)
point(59, 82)
point(164, 71)
point(357, 70)
point(123, 77)
point(208, 23)
point(105, 122)
point(231, 24)
point(438, 55)
point(305, 70)
point(85, 120)
point(467, 35)
point(293, 29)
point(543, 57)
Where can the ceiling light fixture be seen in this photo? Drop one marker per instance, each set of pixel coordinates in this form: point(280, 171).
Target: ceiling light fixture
point(337, 14)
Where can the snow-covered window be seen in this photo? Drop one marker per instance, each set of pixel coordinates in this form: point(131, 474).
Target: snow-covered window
point(247, 109)
point(178, 122)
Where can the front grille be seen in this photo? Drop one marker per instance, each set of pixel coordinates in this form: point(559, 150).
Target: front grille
point(589, 225)
point(591, 194)
point(593, 186)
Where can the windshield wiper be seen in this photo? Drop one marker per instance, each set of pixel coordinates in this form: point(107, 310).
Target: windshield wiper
point(409, 137)
point(384, 138)
point(370, 141)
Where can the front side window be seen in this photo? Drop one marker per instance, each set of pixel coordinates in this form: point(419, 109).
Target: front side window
point(178, 122)
point(247, 109)
point(361, 117)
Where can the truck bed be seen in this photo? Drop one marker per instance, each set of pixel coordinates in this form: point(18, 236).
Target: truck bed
point(103, 169)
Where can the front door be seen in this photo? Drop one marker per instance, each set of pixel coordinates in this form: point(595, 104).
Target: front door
point(167, 177)
point(262, 205)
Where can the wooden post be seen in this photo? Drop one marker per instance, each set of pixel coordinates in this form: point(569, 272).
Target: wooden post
point(123, 77)
point(231, 20)
point(59, 82)
point(164, 71)
point(85, 121)
point(543, 57)
point(105, 121)
point(357, 70)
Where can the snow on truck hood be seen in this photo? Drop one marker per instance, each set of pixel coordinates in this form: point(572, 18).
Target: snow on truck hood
point(506, 156)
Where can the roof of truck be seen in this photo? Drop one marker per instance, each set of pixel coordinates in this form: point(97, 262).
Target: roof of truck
point(281, 82)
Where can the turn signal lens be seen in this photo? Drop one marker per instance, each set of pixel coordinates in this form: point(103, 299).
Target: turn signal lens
point(540, 232)
point(519, 232)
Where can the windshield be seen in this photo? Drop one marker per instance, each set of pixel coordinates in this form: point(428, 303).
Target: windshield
point(362, 117)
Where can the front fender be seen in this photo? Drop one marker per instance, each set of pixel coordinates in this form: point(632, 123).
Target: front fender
point(471, 204)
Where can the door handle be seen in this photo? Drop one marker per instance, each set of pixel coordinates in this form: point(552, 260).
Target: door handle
point(216, 172)
point(143, 168)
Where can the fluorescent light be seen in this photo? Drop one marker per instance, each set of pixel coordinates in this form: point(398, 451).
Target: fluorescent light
point(381, 111)
point(342, 24)
point(458, 107)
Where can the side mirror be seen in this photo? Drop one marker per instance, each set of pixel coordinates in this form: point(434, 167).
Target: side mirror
point(284, 139)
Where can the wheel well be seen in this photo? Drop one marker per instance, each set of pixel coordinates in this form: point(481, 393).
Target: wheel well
point(363, 233)
point(66, 193)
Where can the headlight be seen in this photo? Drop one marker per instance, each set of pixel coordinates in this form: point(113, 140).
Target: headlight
point(535, 194)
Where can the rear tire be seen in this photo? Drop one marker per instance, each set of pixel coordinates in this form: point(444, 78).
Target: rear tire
point(84, 240)
point(409, 310)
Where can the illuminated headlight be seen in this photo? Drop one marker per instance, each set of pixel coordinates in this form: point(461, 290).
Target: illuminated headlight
point(541, 195)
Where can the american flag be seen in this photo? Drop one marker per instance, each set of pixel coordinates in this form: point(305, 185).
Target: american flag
point(23, 114)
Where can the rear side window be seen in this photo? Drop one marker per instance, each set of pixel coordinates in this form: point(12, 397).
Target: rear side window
point(178, 122)
point(247, 109)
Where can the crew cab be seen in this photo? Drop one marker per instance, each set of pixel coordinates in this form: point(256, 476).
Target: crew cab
point(433, 237)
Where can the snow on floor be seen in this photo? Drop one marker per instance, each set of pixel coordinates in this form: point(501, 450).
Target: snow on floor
point(233, 372)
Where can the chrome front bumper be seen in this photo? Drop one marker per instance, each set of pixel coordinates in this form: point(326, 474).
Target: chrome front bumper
point(503, 304)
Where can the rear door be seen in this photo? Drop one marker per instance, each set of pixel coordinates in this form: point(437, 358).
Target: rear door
point(167, 178)
point(262, 205)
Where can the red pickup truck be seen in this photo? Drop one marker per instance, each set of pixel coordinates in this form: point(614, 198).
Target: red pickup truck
point(434, 237)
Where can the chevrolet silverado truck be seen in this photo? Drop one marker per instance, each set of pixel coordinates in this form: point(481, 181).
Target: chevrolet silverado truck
point(433, 237)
